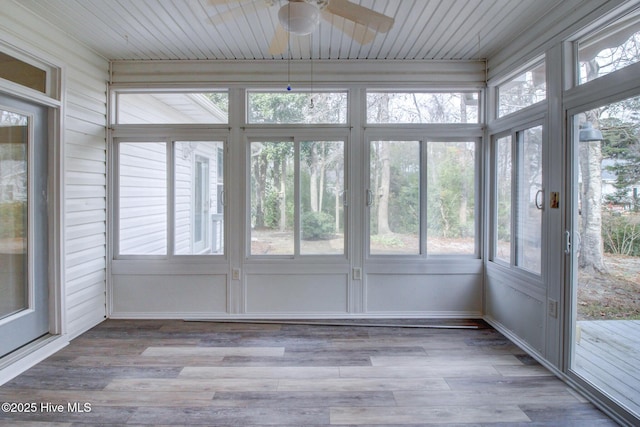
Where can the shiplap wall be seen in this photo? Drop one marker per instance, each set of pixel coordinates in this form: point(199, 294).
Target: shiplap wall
point(84, 176)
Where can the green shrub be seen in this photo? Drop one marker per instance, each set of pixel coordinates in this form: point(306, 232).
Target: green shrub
point(621, 234)
point(387, 241)
point(272, 209)
point(317, 226)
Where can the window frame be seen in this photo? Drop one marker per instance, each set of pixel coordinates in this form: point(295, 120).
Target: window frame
point(478, 92)
point(516, 133)
point(495, 86)
point(115, 103)
point(599, 31)
point(170, 142)
point(303, 90)
point(297, 137)
point(424, 137)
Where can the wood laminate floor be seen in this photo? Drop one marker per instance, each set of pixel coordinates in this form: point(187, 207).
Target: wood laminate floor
point(168, 372)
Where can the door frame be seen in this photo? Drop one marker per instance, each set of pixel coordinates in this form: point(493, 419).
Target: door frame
point(582, 98)
point(53, 100)
point(31, 322)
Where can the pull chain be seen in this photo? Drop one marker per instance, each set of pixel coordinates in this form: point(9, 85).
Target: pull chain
point(288, 50)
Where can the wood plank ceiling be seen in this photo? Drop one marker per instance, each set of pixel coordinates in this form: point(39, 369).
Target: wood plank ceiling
point(184, 29)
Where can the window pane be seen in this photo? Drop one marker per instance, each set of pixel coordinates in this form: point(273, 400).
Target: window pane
point(523, 90)
point(272, 198)
point(503, 164)
point(529, 217)
point(606, 255)
point(24, 74)
point(395, 197)
point(199, 214)
point(451, 197)
point(322, 187)
point(611, 49)
point(143, 198)
point(14, 135)
point(297, 107)
point(172, 108)
point(417, 107)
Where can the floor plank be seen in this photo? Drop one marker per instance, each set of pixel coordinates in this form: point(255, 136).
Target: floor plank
point(224, 374)
point(427, 415)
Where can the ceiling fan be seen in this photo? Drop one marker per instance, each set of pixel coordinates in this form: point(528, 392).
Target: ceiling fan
point(301, 17)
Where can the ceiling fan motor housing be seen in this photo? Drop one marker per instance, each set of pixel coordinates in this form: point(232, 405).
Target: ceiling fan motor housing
point(299, 17)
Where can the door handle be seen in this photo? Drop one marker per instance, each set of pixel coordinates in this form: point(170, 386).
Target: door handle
point(369, 197)
point(567, 242)
point(538, 201)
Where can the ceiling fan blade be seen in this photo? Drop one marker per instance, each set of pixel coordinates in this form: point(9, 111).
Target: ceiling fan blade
point(237, 11)
point(280, 41)
point(217, 2)
point(360, 15)
point(357, 32)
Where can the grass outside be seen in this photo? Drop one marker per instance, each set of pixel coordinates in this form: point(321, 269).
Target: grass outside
point(612, 296)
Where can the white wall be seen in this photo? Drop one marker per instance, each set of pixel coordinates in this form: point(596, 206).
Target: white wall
point(84, 175)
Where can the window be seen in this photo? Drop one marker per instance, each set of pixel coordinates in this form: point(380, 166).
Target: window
point(143, 195)
point(609, 49)
point(394, 197)
point(422, 107)
point(296, 107)
point(172, 107)
point(451, 197)
point(14, 216)
point(197, 228)
point(518, 206)
point(142, 191)
point(503, 174)
point(24, 74)
point(297, 191)
point(523, 90)
point(403, 175)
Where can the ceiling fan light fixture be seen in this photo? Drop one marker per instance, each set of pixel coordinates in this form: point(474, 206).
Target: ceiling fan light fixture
point(299, 17)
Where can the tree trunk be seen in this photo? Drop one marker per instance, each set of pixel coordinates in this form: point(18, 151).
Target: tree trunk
point(260, 177)
point(384, 190)
point(322, 176)
point(313, 180)
point(433, 186)
point(591, 250)
point(384, 162)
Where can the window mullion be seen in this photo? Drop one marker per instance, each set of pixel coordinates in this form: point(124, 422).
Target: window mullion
point(515, 179)
point(423, 197)
point(171, 183)
point(297, 198)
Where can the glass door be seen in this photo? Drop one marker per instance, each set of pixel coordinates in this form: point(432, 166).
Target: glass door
point(23, 224)
point(605, 251)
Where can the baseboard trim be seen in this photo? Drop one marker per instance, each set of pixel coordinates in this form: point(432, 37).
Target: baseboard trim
point(24, 358)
